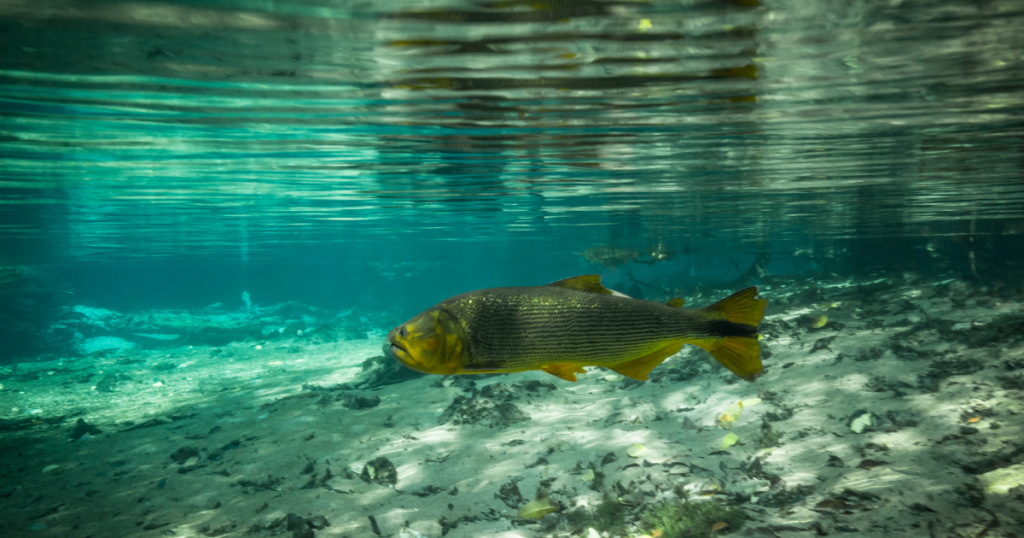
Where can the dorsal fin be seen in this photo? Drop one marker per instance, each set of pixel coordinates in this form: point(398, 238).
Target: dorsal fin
point(591, 283)
point(677, 302)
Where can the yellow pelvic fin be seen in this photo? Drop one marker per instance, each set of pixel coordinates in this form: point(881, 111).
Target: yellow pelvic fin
point(591, 283)
point(741, 307)
point(741, 355)
point(639, 368)
point(677, 302)
point(565, 371)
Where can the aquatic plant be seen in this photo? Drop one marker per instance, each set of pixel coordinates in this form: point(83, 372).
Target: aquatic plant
point(692, 520)
point(608, 515)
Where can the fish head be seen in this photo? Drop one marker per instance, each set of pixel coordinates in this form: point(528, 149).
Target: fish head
point(431, 343)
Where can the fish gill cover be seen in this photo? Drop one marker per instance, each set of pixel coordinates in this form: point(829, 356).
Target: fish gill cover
point(212, 214)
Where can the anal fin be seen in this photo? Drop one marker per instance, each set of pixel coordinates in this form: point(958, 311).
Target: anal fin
point(565, 371)
point(640, 368)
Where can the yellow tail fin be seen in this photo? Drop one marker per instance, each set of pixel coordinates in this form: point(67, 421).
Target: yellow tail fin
point(740, 354)
point(741, 307)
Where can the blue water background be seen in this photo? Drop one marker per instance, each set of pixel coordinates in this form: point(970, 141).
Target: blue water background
point(388, 155)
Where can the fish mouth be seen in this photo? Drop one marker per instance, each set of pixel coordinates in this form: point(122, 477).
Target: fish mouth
point(396, 349)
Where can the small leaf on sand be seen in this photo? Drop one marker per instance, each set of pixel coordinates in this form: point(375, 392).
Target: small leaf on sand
point(729, 440)
point(972, 420)
point(719, 526)
point(537, 509)
point(636, 451)
point(731, 413)
point(49, 468)
point(819, 322)
point(588, 476)
point(871, 464)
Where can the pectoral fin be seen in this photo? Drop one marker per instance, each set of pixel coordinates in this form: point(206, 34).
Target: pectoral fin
point(640, 368)
point(565, 371)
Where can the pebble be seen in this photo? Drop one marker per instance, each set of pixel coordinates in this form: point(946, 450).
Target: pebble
point(860, 421)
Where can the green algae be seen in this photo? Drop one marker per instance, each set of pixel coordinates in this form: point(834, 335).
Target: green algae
point(608, 515)
point(691, 520)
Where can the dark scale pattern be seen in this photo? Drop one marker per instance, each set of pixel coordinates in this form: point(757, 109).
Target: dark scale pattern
point(525, 327)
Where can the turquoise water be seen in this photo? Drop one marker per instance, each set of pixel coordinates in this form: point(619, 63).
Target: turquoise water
point(213, 212)
point(176, 154)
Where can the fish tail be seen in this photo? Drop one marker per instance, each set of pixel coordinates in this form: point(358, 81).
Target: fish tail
point(734, 321)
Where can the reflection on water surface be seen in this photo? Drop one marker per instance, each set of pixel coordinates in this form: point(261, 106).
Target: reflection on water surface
point(195, 124)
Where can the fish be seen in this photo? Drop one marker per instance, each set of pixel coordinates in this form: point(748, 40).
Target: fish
point(564, 326)
point(609, 256)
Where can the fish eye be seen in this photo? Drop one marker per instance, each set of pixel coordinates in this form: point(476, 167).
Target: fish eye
point(403, 332)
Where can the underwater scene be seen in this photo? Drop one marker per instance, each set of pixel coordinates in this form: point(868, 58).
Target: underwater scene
point(509, 268)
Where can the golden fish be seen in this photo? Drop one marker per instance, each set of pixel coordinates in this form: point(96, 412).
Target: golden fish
point(572, 323)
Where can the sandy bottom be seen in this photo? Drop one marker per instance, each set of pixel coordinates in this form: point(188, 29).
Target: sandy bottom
point(227, 441)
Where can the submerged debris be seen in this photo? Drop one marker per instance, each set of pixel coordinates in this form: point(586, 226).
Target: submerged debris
point(82, 429)
point(491, 407)
point(380, 471)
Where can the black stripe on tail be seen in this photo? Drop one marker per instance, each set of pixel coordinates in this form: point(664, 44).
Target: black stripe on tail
point(725, 328)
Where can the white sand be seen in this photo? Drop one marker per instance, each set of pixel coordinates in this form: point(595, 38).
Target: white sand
point(109, 484)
